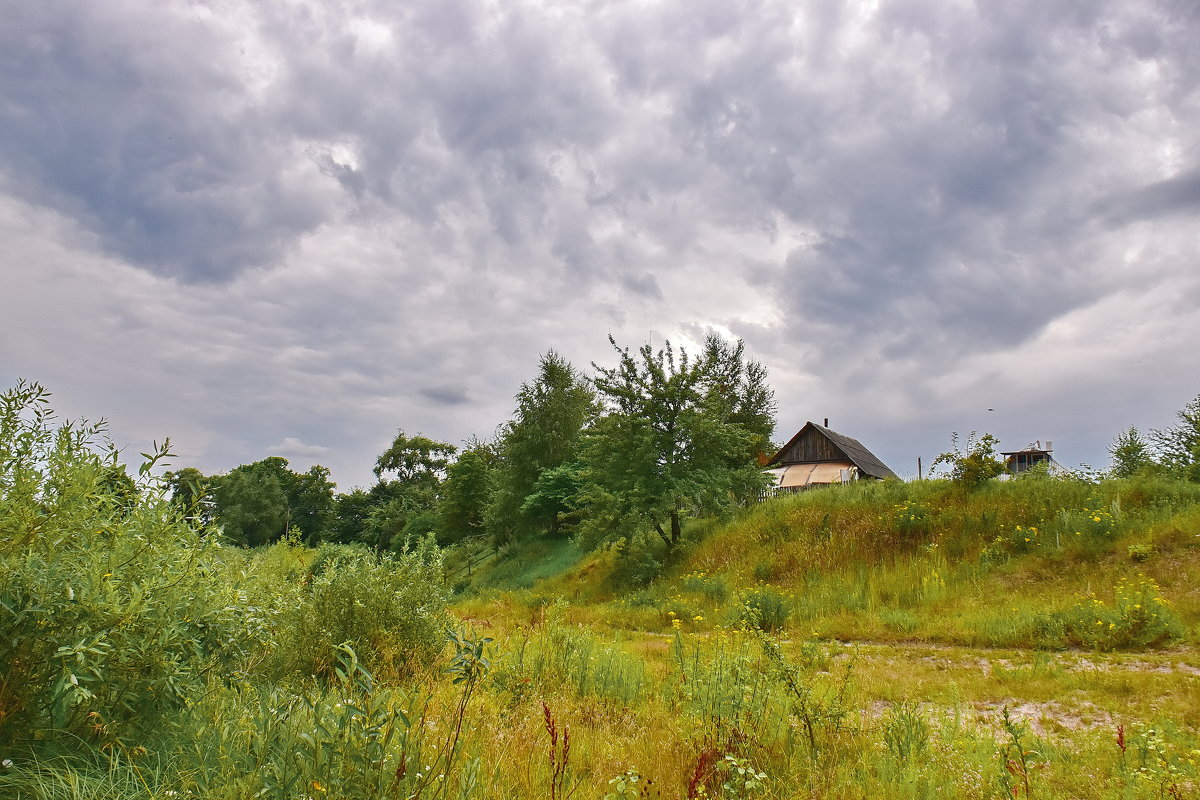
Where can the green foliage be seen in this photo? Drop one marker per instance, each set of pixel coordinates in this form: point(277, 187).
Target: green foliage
point(381, 517)
point(354, 740)
point(534, 490)
point(566, 657)
point(415, 461)
point(629, 785)
point(192, 493)
point(766, 609)
point(256, 504)
point(637, 564)
point(521, 564)
point(1139, 617)
point(555, 494)
point(1017, 758)
point(348, 517)
point(111, 608)
point(819, 711)
point(976, 465)
point(466, 494)
point(677, 440)
point(739, 778)
point(389, 608)
point(252, 507)
point(905, 731)
point(1130, 453)
point(1179, 446)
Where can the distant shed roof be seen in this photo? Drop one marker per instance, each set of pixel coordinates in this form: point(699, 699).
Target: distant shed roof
point(807, 447)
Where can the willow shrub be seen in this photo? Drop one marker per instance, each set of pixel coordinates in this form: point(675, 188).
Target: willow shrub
point(390, 608)
point(110, 607)
point(114, 610)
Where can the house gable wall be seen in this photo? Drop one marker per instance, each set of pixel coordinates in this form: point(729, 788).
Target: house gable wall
point(809, 448)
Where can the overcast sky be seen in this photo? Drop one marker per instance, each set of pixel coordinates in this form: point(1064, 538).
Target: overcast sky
point(291, 227)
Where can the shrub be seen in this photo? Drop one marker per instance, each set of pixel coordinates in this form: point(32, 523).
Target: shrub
point(974, 467)
point(765, 609)
point(713, 588)
point(351, 739)
point(391, 609)
point(111, 607)
point(1138, 617)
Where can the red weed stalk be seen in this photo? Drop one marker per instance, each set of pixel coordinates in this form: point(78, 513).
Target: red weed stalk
point(560, 758)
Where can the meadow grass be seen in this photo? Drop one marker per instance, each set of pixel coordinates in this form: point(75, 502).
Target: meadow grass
point(1030, 639)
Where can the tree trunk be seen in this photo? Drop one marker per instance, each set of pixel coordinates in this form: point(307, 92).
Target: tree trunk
point(663, 533)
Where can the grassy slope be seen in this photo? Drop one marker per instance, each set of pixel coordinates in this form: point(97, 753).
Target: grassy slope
point(893, 562)
point(957, 606)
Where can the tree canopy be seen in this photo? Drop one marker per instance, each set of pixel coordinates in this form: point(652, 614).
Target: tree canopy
point(678, 438)
point(545, 433)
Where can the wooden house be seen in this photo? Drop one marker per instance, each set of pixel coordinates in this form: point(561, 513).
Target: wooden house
point(1019, 461)
point(817, 456)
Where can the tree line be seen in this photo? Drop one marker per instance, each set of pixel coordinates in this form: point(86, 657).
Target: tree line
point(633, 448)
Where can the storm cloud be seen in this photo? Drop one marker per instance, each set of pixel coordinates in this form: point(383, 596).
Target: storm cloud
point(252, 225)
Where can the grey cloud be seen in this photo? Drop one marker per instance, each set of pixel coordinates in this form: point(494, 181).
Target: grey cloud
point(124, 118)
point(1179, 194)
point(642, 284)
point(893, 192)
point(449, 395)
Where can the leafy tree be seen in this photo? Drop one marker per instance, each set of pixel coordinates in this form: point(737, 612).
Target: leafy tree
point(417, 465)
point(310, 498)
point(348, 518)
point(1130, 454)
point(252, 507)
point(415, 461)
point(544, 434)
point(112, 609)
point(466, 494)
point(555, 494)
point(670, 444)
point(1179, 447)
point(741, 386)
point(974, 467)
point(258, 503)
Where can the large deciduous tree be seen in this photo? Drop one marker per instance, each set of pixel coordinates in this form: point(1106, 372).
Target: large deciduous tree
point(410, 473)
point(251, 505)
point(544, 434)
point(465, 494)
point(680, 437)
point(258, 503)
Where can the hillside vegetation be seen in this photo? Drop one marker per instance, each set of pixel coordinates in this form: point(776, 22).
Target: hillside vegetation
point(1035, 562)
point(1026, 639)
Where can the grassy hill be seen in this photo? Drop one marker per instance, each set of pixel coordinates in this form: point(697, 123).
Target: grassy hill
point(1029, 563)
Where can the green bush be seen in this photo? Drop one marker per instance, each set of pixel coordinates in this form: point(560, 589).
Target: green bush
point(766, 609)
point(112, 609)
point(349, 739)
point(1139, 617)
point(391, 609)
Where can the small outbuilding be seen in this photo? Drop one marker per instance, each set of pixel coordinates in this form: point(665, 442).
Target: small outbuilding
point(1019, 461)
point(817, 456)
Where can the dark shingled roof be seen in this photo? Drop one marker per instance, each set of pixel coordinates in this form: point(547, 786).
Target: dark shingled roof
point(856, 453)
